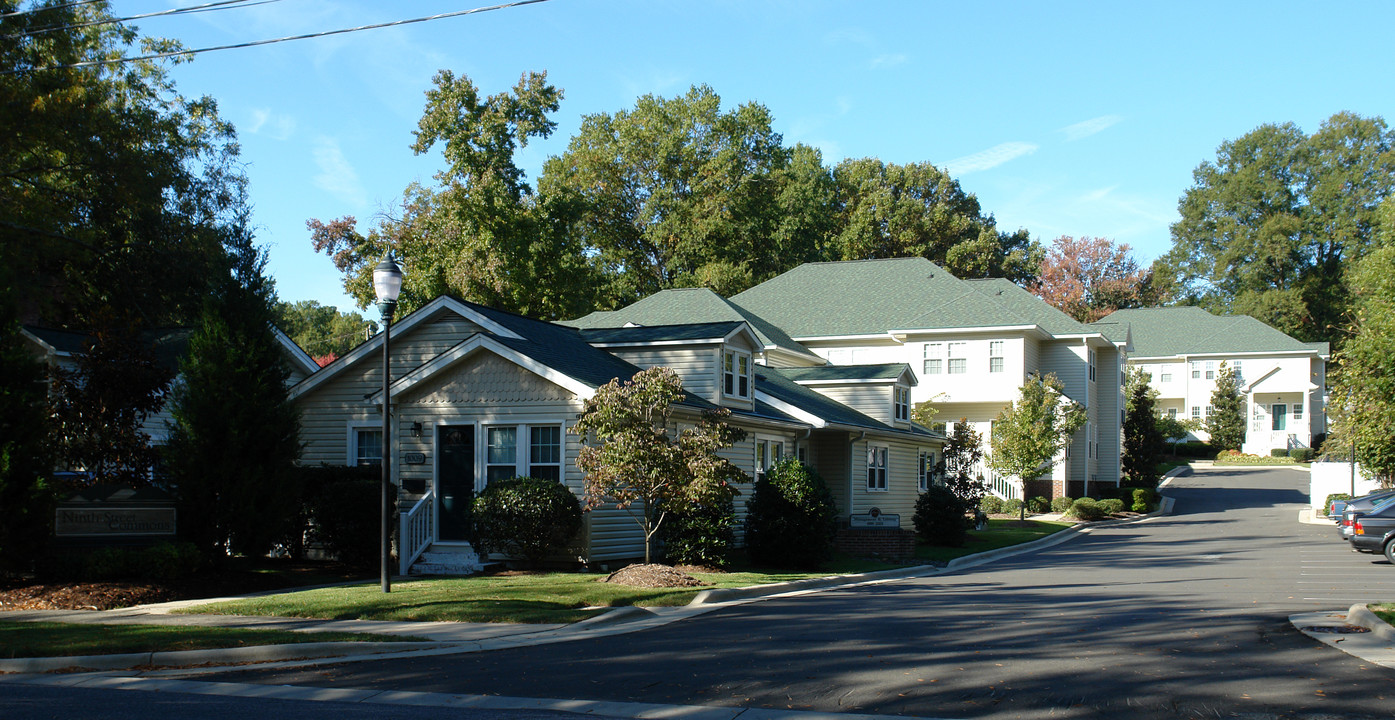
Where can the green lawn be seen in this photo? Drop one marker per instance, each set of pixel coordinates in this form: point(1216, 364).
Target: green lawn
point(50, 639)
point(999, 534)
point(1384, 611)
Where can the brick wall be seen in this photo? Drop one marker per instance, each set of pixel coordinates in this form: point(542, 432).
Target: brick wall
point(880, 542)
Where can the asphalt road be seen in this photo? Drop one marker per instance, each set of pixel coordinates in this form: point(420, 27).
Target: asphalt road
point(1180, 616)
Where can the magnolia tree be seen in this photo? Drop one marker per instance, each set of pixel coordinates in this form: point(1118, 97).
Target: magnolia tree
point(641, 464)
point(962, 453)
point(1030, 434)
point(1226, 424)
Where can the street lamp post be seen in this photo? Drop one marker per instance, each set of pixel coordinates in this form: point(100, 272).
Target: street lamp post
point(387, 284)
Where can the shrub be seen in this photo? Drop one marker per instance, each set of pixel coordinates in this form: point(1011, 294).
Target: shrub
point(991, 504)
point(1061, 504)
point(1278, 452)
point(1012, 505)
point(699, 534)
point(1301, 454)
point(1087, 509)
point(1038, 504)
point(162, 563)
point(342, 511)
point(790, 518)
point(1194, 450)
point(526, 518)
point(1112, 505)
point(1144, 500)
point(939, 517)
point(168, 562)
point(1327, 505)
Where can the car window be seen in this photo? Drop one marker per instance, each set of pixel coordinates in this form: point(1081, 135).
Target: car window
point(1383, 504)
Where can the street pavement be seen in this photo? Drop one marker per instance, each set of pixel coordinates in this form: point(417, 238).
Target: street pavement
point(1177, 616)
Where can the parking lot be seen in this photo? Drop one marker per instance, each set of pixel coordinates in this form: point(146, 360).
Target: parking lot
point(1331, 572)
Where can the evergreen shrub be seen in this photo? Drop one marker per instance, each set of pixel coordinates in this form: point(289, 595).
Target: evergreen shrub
point(1061, 504)
point(701, 535)
point(1038, 504)
point(1012, 505)
point(939, 517)
point(1112, 505)
point(341, 512)
point(1144, 500)
point(1327, 504)
point(991, 504)
point(527, 518)
point(1278, 452)
point(1087, 509)
point(1301, 454)
point(790, 518)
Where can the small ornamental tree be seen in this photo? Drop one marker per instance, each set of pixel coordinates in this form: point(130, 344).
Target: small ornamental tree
point(1227, 421)
point(1143, 439)
point(637, 460)
point(962, 453)
point(1030, 433)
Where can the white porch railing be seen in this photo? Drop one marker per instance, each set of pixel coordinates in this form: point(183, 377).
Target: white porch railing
point(1003, 487)
point(416, 530)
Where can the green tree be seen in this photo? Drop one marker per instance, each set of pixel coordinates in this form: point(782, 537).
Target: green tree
point(1226, 424)
point(1363, 382)
point(321, 330)
point(1143, 439)
point(888, 211)
point(638, 461)
point(676, 192)
point(234, 442)
point(1030, 434)
point(1088, 278)
point(960, 465)
point(480, 233)
point(1173, 430)
point(1269, 228)
point(26, 495)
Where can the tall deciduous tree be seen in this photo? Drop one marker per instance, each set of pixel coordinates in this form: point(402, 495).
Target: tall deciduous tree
point(235, 441)
point(321, 330)
point(640, 459)
point(1226, 424)
point(1030, 433)
point(889, 210)
point(1090, 277)
point(1143, 440)
point(480, 232)
point(1270, 226)
point(26, 461)
point(1363, 384)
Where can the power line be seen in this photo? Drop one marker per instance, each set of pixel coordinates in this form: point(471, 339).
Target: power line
point(326, 33)
point(31, 11)
point(206, 7)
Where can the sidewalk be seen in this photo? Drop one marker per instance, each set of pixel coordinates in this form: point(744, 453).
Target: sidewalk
point(453, 637)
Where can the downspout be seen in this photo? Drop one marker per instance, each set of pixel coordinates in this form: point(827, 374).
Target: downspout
point(852, 478)
point(797, 440)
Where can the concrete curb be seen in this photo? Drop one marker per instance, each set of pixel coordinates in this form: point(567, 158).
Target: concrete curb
point(1361, 615)
point(181, 658)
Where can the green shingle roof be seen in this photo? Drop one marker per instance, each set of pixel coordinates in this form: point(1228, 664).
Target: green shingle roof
point(868, 297)
point(659, 333)
point(888, 371)
point(1187, 330)
point(688, 305)
point(1027, 308)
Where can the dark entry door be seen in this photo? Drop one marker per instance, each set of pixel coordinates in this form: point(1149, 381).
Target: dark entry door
point(455, 481)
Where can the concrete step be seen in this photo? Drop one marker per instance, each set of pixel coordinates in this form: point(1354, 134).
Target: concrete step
point(447, 562)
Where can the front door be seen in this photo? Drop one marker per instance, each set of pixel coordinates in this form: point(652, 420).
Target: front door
point(1279, 416)
point(455, 481)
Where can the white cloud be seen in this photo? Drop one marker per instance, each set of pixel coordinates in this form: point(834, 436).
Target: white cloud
point(990, 158)
point(277, 127)
point(889, 60)
point(337, 177)
point(1089, 127)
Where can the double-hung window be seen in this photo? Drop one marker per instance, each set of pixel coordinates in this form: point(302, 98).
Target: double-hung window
point(995, 356)
point(1196, 412)
point(736, 374)
point(1297, 411)
point(902, 403)
point(768, 452)
point(876, 468)
point(1172, 413)
point(1210, 409)
point(1239, 375)
point(1196, 371)
point(368, 447)
point(958, 358)
point(1166, 373)
point(1210, 369)
point(927, 470)
point(501, 456)
point(933, 362)
point(1092, 366)
point(545, 452)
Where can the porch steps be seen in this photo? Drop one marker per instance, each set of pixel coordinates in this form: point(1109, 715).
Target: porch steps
point(447, 562)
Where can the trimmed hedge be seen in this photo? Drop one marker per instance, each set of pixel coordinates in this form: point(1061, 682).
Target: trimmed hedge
point(1301, 454)
point(1333, 497)
point(1061, 504)
point(1144, 500)
point(162, 563)
point(991, 504)
point(699, 534)
point(1087, 508)
point(791, 518)
point(1038, 504)
point(939, 517)
point(527, 518)
point(1112, 505)
point(342, 511)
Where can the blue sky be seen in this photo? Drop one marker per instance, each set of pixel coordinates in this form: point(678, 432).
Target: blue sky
point(1063, 118)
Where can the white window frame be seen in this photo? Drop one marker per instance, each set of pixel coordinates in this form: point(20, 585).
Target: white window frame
point(1091, 359)
point(1210, 369)
point(1235, 367)
point(1295, 411)
point(1172, 413)
point(352, 456)
point(1196, 370)
point(926, 470)
point(958, 358)
point(996, 358)
point(1210, 410)
point(768, 451)
point(901, 403)
point(561, 450)
point(1196, 412)
point(877, 462)
point(736, 374)
point(489, 464)
point(1165, 374)
point(931, 362)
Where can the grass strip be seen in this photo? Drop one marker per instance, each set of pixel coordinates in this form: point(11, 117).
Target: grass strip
point(1384, 611)
point(1000, 533)
point(52, 639)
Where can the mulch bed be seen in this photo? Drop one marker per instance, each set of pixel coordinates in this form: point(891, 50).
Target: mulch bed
point(34, 595)
point(653, 576)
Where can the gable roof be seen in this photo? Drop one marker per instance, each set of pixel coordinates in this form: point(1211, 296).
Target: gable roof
point(1190, 330)
point(686, 305)
point(887, 373)
point(167, 345)
point(871, 297)
point(773, 386)
point(1026, 307)
point(670, 334)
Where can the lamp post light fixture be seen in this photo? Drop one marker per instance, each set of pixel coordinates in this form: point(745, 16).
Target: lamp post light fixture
point(387, 285)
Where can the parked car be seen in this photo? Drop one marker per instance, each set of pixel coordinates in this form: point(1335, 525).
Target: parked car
point(1374, 531)
point(1358, 505)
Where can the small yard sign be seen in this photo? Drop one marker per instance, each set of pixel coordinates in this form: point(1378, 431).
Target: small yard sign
point(875, 518)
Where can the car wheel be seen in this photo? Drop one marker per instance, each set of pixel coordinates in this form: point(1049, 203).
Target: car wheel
point(1390, 550)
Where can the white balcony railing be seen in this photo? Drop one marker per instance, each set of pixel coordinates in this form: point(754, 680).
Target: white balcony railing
point(416, 530)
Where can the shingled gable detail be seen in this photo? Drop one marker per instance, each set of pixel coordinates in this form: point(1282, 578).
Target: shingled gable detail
point(483, 343)
point(375, 343)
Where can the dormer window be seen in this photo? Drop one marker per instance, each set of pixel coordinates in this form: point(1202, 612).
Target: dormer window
point(902, 405)
point(736, 374)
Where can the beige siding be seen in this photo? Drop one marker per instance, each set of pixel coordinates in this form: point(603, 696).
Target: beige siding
point(1066, 358)
point(696, 365)
point(829, 454)
point(1031, 356)
point(1108, 401)
point(873, 400)
point(902, 478)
